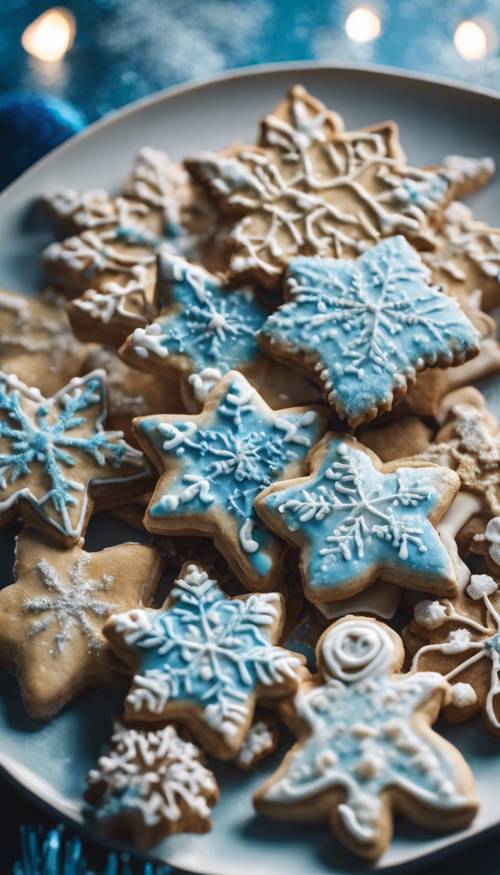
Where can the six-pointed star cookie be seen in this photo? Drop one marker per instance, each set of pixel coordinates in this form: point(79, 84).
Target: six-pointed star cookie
point(365, 745)
point(204, 659)
point(51, 618)
point(364, 328)
point(346, 191)
point(356, 520)
point(56, 459)
point(214, 465)
point(203, 331)
point(460, 638)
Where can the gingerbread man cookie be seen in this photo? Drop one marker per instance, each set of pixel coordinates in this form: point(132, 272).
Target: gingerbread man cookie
point(204, 659)
point(57, 460)
point(150, 784)
point(214, 465)
point(366, 749)
point(356, 520)
point(51, 618)
point(364, 328)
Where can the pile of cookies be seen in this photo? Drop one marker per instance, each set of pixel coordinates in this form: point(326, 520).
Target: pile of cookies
point(262, 359)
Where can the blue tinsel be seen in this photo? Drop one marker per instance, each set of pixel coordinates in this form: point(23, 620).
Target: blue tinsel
point(52, 854)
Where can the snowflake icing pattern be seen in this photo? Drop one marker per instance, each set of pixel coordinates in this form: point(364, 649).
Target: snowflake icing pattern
point(367, 326)
point(358, 521)
point(208, 325)
point(69, 606)
point(228, 460)
point(472, 639)
point(55, 436)
point(362, 736)
point(206, 649)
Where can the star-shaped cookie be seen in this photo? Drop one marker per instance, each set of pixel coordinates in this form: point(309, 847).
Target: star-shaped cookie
point(328, 195)
point(356, 520)
point(204, 659)
point(51, 618)
point(366, 749)
point(213, 466)
point(203, 331)
point(57, 460)
point(364, 328)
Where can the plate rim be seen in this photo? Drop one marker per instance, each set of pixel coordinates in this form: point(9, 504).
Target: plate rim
point(15, 772)
point(250, 71)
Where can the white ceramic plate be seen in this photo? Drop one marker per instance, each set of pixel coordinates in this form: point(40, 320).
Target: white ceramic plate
point(51, 760)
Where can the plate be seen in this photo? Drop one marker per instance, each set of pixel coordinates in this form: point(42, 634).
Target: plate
point(51, 760)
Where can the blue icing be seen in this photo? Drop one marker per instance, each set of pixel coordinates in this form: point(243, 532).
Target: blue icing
point(363, 736)
point(227, 461)
point(210, 325)
point(425, 193)
point(48, 436)
point(206, 649)
point(366, 325)
point(358, 522)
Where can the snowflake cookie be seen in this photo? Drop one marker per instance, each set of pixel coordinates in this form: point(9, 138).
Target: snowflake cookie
point(356, 520)
point(460, 638)
point(36, 341)
point(150, 785)
point(215, 464)
point(466, 260)
point(56, 459)
point(364, 328)
point(203, 331)
point(366, 750)
point(204, 659)
point(51, 618)
point(308, 190)
point(109, 261)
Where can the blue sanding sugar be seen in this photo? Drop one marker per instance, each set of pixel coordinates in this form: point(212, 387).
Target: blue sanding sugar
point(31, 124)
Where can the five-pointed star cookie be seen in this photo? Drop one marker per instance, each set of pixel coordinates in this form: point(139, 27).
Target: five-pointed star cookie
point(150, 785)
point(345, 192)
point(56, 459)
point(460, 638)
point(364, 328)
point(110, 258)
point(214, 465)
point(36, 339)
point(203, 331)
point(204, 659)
point(365, 748)
point(356, 520)
point(51, 618)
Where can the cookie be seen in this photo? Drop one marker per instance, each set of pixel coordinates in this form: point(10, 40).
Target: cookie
point(51, 618)
point(206, 329)
point(396, 440)
point(336, 196)
point(204, 659)
point(365, 748)
point(132, 393)
point(460, 638)
point(362, 329)
point(213, 465)
point(37, 343)
point(466, 257)
point(56, 459)
point(260, 741)
point(150, 784)
point(108, 265)
point(356, 519)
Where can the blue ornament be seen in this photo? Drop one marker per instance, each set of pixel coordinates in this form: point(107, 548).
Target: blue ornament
point(31, 124)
